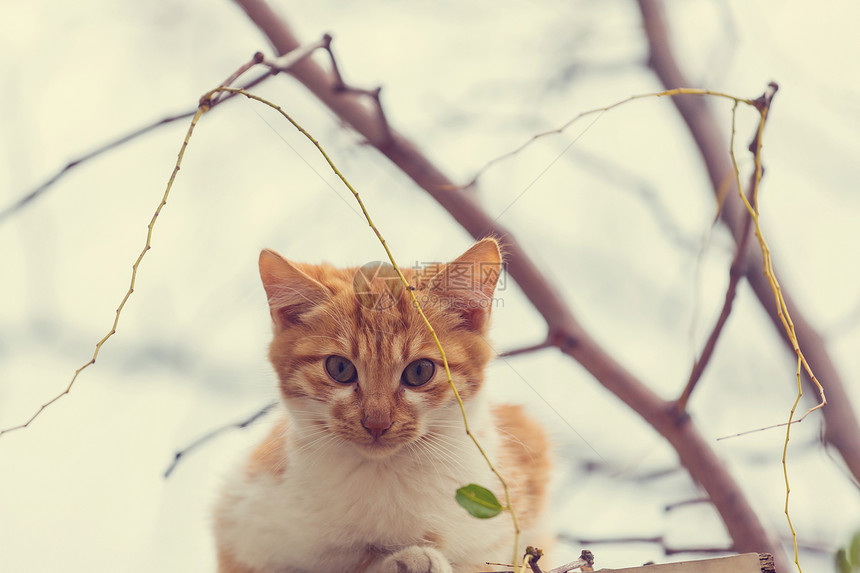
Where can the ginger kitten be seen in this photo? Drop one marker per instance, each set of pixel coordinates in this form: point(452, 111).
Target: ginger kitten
point(360, 471)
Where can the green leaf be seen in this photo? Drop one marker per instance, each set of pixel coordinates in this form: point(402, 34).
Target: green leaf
point(854, 550)
point(479, 501)
point(841, 562)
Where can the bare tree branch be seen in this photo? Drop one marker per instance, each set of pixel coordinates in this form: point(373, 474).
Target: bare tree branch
point(177, 457)
point(655, 540)
point(685, 503)
point(694, 452)
point(526, 349)
point(278, 65)
point(736, 271)
point(842, 429)
point(668, 550)
point(41, 189)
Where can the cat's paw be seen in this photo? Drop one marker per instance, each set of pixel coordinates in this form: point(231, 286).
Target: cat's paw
point(415, 559)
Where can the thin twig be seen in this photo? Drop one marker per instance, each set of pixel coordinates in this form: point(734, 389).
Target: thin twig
point(215, 433)
point(147, 245)
point(763, 105)
point(203, 107)
point(760, 429)
point(41, 189)
point(737, 270)
point(255, 59)
point(655, 540)
point(600, 110)
point(526, 349)
point(341, 86)
point(685, 503)
point(281, 64)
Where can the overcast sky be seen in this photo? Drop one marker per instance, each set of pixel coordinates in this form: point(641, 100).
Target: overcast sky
point(615, 211)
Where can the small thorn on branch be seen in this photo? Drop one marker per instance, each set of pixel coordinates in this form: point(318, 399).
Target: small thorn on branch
point(563, 340)
point(340, 86)
point(763, 101)
point(532, 556)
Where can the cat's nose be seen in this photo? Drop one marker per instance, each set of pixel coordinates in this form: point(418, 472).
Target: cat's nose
point(376, 426)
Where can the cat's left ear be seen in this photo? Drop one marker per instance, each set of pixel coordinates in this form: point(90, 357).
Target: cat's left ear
point(290, 291)
point(469, 281)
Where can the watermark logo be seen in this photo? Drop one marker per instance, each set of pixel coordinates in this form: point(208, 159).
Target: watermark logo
point(377, 285)
point(465, 275)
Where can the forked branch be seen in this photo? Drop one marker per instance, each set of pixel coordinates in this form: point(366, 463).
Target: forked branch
point(736, 272)
point(842, 430)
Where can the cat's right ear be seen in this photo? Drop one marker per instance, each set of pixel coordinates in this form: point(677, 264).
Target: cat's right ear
point(290, 291)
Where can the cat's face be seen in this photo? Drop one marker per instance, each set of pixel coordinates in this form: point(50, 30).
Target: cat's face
point(372, 375)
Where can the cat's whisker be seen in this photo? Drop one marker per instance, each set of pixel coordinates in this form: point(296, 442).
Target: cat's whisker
point(319, 450)
point(312, 441)
point(304, 416)
point(421, 450)
point(330, 442)
point(309, 426)
point(311, 437)
point(456, 450)
point(454, 433)
point(456, 425)
point(308, 440)
point(442, 453)
point(516, 440)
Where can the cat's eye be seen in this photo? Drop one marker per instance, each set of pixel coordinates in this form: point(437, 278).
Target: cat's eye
point(340, 369)
point(418, 373)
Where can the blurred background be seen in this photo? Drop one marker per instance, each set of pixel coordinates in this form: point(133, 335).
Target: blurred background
point(616, 211)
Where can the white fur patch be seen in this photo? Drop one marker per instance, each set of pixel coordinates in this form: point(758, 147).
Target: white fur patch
point(332, 504)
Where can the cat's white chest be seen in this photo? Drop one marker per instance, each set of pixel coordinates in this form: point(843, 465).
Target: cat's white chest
point(342, 506)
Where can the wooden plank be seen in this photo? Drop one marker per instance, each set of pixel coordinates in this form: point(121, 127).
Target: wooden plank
point(746, 563)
